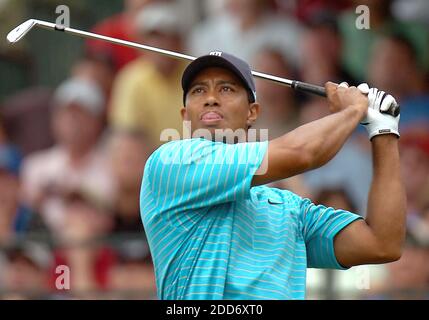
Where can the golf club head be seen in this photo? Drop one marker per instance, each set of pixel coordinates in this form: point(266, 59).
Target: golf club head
point(20, 31)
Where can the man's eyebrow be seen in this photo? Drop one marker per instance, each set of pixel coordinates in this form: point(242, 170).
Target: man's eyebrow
point(219, 82)
point(231, 82)
point(199, 83)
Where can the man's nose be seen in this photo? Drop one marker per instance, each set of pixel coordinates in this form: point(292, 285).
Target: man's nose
point(212, 100)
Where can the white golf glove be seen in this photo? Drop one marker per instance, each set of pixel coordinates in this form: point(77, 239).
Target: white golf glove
point(383, 112)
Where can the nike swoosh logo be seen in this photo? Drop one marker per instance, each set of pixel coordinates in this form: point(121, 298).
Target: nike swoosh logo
point(274, 202)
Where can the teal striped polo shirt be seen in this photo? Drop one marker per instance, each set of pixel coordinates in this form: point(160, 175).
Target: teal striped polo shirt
point(214, 236)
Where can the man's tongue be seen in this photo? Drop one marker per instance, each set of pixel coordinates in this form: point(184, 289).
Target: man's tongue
point(211, 116)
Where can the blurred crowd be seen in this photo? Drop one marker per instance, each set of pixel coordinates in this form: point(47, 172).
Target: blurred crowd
point(72, 156)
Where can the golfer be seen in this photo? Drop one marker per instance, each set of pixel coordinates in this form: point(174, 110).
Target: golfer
point(217, 232)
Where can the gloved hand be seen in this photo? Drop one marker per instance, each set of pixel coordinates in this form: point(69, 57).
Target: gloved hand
point(383, 112)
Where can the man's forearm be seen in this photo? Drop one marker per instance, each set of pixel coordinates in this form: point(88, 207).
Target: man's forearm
point(387, 201)
point(323, 138)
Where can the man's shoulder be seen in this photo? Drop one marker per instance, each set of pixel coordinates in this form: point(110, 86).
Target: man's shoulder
point(185, 144)
point(177, 149)
point(199, 147)
point(204, 151)
point(175, 144)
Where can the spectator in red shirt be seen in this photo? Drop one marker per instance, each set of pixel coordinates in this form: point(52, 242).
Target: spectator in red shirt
point(82, 246)
point(118, 26)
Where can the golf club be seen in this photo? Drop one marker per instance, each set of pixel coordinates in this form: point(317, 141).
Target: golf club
point(20, 31)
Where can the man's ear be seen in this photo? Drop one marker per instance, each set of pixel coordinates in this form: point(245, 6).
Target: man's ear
point(184, 114)
point(253, 114)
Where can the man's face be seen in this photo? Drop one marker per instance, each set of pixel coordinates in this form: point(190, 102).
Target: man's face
point(75, 127)
point(272, 62)
point(217, 99)
point(165, 40)
point(242, 8)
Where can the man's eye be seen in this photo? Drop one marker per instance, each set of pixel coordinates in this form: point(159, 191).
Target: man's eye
point(227, 89)
point(197, 90)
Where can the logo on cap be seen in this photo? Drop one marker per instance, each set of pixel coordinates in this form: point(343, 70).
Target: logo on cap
point(216, 53)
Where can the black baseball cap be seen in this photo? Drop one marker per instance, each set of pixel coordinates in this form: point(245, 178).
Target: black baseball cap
point(222, 60)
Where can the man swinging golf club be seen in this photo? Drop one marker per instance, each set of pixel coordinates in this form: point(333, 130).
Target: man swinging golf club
point(216, 232)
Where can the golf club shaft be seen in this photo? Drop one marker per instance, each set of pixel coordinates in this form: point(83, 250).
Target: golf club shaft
point(297, 85)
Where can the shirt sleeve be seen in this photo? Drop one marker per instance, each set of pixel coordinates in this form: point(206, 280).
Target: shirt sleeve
point(199, 173)
point(320, 226)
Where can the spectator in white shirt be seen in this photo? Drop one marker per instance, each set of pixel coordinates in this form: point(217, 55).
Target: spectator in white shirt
point(76, 162)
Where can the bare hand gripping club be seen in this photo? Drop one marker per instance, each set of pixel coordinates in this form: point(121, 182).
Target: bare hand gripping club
point(20, 31)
